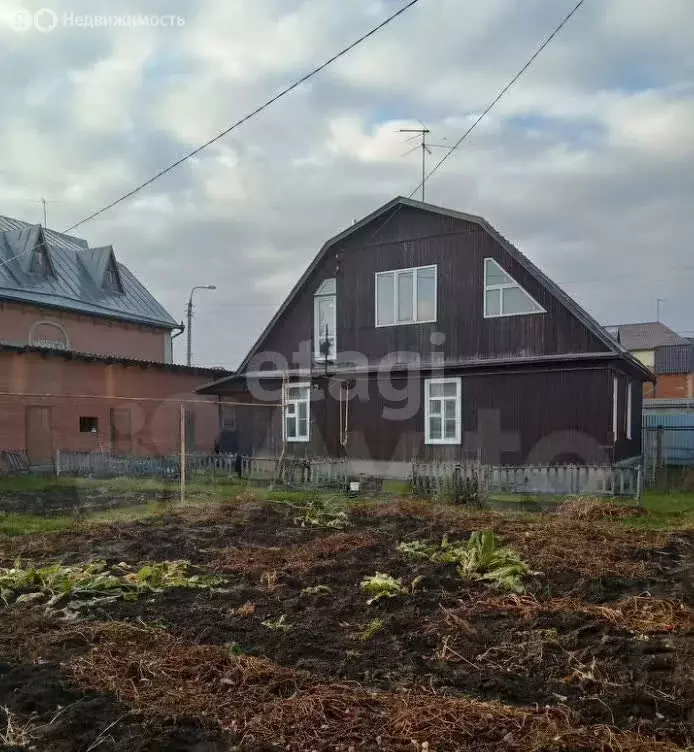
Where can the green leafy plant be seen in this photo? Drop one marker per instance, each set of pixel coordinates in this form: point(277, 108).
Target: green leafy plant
point(316, 590)
point(381, 585)
point(94, 581)
point(371, 629)
point(278, 624)
point(479, 558)
point(233, 648)
point(324, 512)
point(168, 574)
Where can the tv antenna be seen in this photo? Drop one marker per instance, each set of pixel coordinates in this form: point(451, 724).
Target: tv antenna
point(425, 148)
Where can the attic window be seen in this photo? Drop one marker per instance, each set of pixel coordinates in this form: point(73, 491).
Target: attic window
point(112, 281)
point(40, 263)
point(503, 296)
point(325, 320)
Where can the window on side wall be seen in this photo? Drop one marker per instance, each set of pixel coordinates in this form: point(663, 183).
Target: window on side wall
point(406, 296)
point(442, 411)
point(325, 321)
point(297, 412)
point(629, 405)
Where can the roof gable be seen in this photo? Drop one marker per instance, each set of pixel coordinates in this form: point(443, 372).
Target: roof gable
point(647, 336)
point(79, 278)
point(385, 213)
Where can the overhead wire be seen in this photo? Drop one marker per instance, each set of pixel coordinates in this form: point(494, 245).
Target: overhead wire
point(249, 116)
point(486, 110)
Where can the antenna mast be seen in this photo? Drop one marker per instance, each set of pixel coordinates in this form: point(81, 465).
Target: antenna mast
point(425, 150)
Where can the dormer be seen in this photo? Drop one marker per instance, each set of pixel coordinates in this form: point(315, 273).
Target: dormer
point(30, 251)
point(103, 269)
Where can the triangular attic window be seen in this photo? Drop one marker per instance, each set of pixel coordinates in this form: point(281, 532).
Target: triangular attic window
point(503, 296)
point(112, 281)
point(40, 261)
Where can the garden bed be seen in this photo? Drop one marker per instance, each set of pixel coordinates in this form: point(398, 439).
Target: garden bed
point(283, 652)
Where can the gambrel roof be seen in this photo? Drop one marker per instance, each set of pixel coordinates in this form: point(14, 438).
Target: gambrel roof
point(74, 277)
point(388, 210)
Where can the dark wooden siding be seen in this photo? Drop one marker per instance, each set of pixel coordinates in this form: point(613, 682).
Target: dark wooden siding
point(458, 248)
point(625, 448)
point(508, 417)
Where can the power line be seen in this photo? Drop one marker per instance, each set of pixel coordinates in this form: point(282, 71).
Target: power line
point(486, 111)
point(500, 95)
point(250, 115)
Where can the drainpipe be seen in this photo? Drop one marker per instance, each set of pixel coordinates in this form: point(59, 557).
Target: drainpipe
point(181, 328)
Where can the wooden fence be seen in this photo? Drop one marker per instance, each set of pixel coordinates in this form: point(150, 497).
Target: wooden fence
point(479, 481)
point(318, 472)
point(461, 482)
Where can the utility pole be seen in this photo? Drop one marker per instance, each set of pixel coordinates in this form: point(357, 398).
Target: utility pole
point(658, 301)
point(189, 349)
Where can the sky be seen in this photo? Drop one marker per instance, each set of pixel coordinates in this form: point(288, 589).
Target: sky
point(587, 164)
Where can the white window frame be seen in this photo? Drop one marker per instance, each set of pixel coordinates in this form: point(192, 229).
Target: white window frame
point(317, 354)
point(629, 401)
point(286, 402)
point(615, 404)
point(458, 410)
point(504, 286)
point(395, 273)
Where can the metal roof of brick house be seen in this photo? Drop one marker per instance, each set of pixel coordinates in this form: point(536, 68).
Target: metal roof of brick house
point(75, 281)
point(646, 336)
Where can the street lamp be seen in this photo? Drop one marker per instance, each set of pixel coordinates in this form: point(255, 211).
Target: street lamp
point(190, 317)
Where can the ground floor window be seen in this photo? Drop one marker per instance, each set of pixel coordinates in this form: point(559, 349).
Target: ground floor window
point(442, 411)
point(89, 425)
point(297, 411)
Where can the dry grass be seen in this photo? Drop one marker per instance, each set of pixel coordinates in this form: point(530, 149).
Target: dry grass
point(591, 549)
point(266, 703)
point(596, 509)
point(255, 561)
point(13, 732)
point(430, 511)
point(641, 614)
point(566, 542)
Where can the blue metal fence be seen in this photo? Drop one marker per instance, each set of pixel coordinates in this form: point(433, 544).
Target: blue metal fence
point(668, 439)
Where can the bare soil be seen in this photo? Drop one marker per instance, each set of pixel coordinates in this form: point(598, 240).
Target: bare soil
point(598, 654)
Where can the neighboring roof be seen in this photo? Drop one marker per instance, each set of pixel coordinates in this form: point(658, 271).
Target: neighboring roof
point(394, 205)
point(76, 279)
point(214, 373)
point(646, 336)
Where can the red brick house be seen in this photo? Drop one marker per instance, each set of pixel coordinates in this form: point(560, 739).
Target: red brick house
point(666, 353)
point(85, 354)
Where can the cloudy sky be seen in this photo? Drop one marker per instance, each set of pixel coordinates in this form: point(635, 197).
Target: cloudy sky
point(587, 164)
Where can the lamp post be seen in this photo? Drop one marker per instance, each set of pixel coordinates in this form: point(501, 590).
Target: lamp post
point(190, 319)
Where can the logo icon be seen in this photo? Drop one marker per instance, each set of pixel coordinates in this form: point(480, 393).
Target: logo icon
point(20, 20)
point(45, 20)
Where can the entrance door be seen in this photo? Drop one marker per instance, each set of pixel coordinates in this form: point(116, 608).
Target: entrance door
point(121, 431)
point(39, 436)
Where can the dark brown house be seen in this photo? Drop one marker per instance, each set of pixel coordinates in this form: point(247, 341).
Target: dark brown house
point(422, 333)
